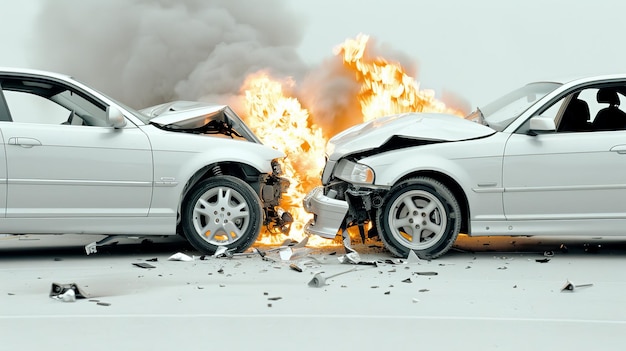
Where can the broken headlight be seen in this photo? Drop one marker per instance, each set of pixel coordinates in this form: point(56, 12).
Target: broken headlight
point(353, 172)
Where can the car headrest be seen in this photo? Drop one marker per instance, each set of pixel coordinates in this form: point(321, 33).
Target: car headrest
point(607, 96)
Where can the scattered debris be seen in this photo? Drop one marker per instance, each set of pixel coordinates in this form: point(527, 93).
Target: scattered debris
point(274, 298)
point(179, 256)
point(563, 248)
point(152, 259)
point(548, 253)
point(374, 286)
point(295, 267)
point(412, 257)
point(570, 287)
point(354, 258)
point(387, 292)
point(66, 292)
point(220, 271)
point(407, 280)
point(143, 265)
point(415, 300)
point(319, 280)
point(542, 260)
point(423, 290)
point(425, 273)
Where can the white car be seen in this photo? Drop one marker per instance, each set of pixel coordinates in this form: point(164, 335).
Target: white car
point(546, 159)
point(76, 161)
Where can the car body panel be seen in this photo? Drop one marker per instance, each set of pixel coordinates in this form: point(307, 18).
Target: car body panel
point(128, 179)
point(426, 126)
point(510, 181)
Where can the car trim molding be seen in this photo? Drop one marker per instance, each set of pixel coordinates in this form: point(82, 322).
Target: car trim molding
point(79, 182)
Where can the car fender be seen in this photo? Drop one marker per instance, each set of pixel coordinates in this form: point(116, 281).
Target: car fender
point(173, 169)
point(475, 165)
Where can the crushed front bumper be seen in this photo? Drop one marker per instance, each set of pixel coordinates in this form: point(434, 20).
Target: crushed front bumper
point(328, 213)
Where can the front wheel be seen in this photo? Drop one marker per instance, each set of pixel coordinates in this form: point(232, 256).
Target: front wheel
point(419, 214)
point(221, 211)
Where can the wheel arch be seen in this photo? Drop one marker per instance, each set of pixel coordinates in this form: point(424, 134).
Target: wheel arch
point(454, 187)
point(243, 171)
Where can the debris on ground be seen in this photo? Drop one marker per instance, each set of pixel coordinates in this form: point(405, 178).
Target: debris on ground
point(143, 265)
point(179, 256)
point(295, 267)
point(319, 280)
point(67, 292)
point(569, 286)
point(542, 260)
point(425, 273)
point(412, 258)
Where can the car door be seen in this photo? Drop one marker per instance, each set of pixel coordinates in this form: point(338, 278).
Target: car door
point(58, 168)
point(573, 175)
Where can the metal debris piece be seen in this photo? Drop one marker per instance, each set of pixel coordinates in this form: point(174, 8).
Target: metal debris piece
point(179, 256)
point(152, 259)
point(319, 280)
point(563, 248)
point(412, 257)
point(143, 265)
point(103, 304)
point(295, 267)
point(387, 292)
point(423, 290)
point(351, 257)
point(407, 280)
point(285, 253)
point(548, 253)
point(66, 292)
point(220, 271)
point(570, 287)
point(542, 260)
point(426, 273)
point(274, 298)
point(257, 251)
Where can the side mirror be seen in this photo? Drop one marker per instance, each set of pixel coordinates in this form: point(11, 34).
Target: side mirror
point(115, 117)
point(542, 125)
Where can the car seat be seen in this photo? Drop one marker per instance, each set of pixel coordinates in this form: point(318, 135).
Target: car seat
point(611, 117)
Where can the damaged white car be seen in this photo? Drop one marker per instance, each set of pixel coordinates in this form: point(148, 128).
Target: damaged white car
point(75, 161)
point(546, 159)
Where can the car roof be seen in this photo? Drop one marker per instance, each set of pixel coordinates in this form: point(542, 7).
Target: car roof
point(29, 71)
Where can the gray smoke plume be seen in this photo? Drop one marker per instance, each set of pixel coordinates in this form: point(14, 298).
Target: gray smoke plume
point(144, 52)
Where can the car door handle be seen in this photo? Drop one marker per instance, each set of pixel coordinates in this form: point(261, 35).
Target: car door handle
point(24, 142)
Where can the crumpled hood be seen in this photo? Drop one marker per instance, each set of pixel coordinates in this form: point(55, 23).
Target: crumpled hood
point(201, 117)
point(419, 126)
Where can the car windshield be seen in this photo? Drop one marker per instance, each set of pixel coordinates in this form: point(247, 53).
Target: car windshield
point(500, 113)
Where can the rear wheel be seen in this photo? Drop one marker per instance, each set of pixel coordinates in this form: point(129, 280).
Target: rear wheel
point(419, 214)
point(222, 211)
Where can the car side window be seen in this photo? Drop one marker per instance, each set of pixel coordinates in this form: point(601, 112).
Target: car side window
point(51, 103)
point(594, 109)
point(31, 108)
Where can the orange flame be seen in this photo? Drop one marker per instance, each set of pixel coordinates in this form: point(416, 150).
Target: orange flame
point(386, 89)
point(282, 123)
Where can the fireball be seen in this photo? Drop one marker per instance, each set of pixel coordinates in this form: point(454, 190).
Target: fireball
point(280, 121)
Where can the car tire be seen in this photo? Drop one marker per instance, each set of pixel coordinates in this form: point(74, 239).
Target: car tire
point(222, 211)
point(419, 214)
